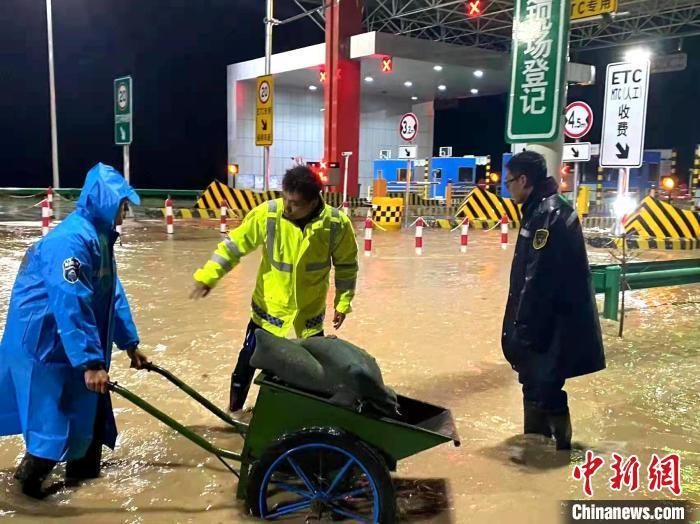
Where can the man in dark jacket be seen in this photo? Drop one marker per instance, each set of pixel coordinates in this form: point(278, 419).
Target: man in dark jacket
point(551, 330)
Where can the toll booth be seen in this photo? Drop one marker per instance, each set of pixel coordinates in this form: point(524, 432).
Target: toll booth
point(461, 171)
point(641, 179)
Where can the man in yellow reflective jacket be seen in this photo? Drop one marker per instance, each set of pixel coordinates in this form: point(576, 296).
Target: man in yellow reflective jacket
point(301, 238)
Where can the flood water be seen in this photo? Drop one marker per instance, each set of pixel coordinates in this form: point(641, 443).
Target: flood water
point(434, 323)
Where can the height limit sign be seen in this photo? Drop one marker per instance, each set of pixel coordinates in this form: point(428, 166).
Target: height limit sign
point(624, 121)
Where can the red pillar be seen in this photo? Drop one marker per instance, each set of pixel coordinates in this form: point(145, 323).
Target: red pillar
point(342, 89)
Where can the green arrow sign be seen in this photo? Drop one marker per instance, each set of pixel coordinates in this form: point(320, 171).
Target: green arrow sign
point(538, 70)
point(123, 98)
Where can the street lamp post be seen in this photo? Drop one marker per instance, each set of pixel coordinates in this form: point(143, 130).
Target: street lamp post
point(52, 97)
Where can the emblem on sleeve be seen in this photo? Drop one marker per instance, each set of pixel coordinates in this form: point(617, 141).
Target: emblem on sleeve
point(71, 270)
point(541, 237)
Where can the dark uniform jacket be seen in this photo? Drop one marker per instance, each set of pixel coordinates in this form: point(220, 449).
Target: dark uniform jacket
point(551, 329)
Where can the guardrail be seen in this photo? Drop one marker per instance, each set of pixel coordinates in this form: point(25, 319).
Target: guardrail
point(607, 279)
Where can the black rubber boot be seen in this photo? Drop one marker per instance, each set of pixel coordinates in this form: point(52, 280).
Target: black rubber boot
point(31, 474)
point(87, 467)
point(238, 394)
point(535, 419)
point(560, 425)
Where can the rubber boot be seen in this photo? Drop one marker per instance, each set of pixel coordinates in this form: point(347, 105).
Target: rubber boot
point(31, 474)
point(560, 425)
point(87, 467)
point(238, 394)
point(535, 419)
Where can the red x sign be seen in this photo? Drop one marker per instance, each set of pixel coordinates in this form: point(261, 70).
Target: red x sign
point(474, 8)
point(322, 76)
point(387, 64)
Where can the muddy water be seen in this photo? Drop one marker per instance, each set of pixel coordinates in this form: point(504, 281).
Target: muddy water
point(433, 323)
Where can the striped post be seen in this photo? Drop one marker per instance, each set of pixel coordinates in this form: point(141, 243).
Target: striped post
point(368, 233)
point(464, 236)
point(169, 217)
point(49, 197)
point(599, 189)
point(419, 235)
point(346, 207)
point(224, 212)
point(504, 232)
point(45, 217)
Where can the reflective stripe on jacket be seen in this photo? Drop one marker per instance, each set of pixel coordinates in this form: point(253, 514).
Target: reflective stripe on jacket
point(294, 273)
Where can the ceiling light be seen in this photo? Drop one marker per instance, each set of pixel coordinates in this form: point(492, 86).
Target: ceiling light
point(313, 88)
point(474, 91)
point(638, 54)
point(442, 87)
point(414, 98)
point(369, 79)
point(408, 83)
point(478, 73)
point(437, 67)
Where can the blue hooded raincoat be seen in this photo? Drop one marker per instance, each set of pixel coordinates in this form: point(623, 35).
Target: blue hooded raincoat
point(67, 309)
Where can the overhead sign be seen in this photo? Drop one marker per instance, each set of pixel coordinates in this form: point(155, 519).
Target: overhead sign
point(669, 63)
point(123, 116)
point(408, 152)
point(445, 151)
point(578, 120)
point(577, 152)
point(385, 154)
point(263, 111)
point(540, 42)
point(582, 9)
point(624, 119)
point(408, 127)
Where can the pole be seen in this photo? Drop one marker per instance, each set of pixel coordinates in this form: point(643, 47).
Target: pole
point(347, 155)
point(407, 195)
point(269, 13)
point(127, 165)
point(576, 181)
point(52, 98)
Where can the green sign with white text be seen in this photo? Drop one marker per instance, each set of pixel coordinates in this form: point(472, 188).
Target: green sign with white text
point(538, 70)
point(122, 111)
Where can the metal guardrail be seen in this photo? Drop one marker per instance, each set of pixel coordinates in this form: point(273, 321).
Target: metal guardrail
point(608, 279)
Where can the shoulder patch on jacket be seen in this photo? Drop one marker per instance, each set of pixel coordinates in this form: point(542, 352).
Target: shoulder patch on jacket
point(71, 270)
point(540, 239)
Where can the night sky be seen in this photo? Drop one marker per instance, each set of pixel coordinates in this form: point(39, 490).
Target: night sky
point(177, 52)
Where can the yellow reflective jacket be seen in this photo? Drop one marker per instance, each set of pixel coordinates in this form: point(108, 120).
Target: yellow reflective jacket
point(294, 273)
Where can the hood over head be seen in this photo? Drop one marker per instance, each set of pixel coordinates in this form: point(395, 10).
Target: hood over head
point(102, 193)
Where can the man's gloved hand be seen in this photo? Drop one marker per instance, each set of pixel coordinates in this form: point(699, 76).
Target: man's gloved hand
point(199, 291)
point(338, 319)
point(96, 380)
point(138, 359)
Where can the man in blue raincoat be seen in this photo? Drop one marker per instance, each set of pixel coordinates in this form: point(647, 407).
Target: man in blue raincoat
point(67, 309)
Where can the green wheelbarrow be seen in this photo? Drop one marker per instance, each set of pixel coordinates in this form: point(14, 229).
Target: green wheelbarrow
point(304, 457)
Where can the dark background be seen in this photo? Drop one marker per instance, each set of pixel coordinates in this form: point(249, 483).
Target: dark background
point(476, 125)
point(177, 52)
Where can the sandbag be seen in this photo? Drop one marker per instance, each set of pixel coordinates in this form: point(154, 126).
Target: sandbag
point(328, 366)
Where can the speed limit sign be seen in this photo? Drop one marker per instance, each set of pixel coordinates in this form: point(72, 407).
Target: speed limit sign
point(408, 127)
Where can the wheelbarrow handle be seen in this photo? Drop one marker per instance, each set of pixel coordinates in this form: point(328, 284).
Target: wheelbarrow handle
point(172, 423)
point(240, 426)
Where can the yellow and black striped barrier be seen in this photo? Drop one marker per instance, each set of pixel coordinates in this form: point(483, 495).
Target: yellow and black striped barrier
point(482, 205)
point(414, 199)
point(242, 201)
point(655, 219)
point(447, 223)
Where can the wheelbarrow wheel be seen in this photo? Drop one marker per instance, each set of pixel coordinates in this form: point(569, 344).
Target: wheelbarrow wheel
point(322, 473)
